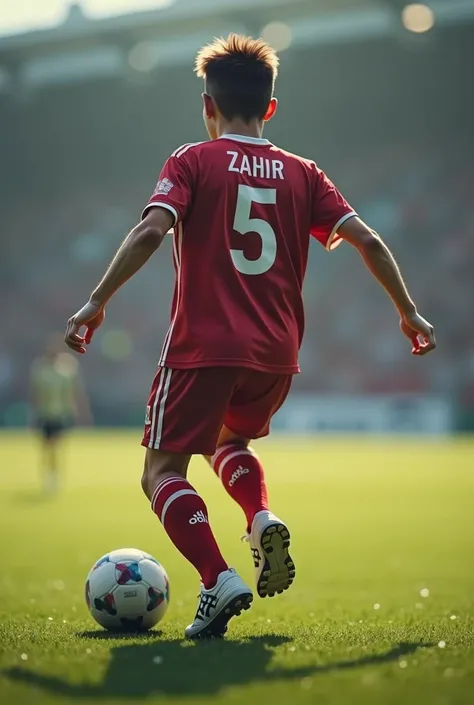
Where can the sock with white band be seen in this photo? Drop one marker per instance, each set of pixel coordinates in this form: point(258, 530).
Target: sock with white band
point(184, 516)
point(242, 475)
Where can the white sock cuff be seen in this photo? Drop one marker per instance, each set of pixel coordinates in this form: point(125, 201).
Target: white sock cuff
point(161, 486)
point(221, 450)
point(172, 498)
point(219, 463)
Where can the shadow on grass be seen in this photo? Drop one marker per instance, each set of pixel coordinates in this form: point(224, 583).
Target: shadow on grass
point(177, 667)
point(33, 497)
point(102, 635)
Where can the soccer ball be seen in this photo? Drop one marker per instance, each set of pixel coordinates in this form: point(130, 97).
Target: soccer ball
point(127, 590)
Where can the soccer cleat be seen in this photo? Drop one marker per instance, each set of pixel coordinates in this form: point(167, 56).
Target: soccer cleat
point(269, 543)
point(228, 598)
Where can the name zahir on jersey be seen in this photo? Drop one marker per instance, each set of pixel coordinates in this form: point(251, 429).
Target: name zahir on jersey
point(256, 166)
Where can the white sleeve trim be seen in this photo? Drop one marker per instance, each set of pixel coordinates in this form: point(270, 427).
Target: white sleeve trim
point(334, 240)
point(169, 208)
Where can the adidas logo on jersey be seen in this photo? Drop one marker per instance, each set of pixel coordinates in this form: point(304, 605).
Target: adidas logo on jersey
point(236, 474)
point(199, 518)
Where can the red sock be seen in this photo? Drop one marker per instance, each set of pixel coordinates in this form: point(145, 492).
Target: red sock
point(242, 475)
point(184, 517)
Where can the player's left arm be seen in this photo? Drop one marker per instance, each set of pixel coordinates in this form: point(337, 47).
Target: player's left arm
point(135, 251)
point(167, 206)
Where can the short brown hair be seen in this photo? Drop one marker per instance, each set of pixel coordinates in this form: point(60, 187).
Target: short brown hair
point(240, 75)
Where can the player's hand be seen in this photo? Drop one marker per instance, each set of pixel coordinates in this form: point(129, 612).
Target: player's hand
point(420, 332)
point(91, 316)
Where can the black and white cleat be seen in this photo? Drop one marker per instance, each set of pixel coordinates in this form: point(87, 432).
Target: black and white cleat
point(228, 598)
point(269, 543)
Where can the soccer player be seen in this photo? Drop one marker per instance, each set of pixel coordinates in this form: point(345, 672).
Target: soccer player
point(58, 399)
point(243, 212)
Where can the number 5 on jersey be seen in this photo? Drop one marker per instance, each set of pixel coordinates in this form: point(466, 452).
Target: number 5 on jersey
point(244, 224)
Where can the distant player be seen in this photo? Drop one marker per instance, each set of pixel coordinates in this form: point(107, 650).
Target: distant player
point(58, 399)
point(243, 212)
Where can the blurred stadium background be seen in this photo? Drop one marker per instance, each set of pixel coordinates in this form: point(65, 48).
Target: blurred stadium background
point(95, 96)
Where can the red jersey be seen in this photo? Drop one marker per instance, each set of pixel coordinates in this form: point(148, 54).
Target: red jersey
point(244, 211)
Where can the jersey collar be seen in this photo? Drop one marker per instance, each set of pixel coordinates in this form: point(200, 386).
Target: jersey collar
point(247, 140)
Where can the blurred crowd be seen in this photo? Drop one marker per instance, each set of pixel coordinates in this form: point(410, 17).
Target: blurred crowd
point(418, 196)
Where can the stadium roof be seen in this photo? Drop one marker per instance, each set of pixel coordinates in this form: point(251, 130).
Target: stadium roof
point(18, 21)
point(82, 47)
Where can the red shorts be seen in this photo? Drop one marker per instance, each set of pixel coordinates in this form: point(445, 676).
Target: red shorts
point(188, 408)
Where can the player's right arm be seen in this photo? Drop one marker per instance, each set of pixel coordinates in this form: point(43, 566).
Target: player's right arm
point(381, 263)
point(333, 220)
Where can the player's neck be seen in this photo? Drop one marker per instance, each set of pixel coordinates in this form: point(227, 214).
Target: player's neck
point(239, 127)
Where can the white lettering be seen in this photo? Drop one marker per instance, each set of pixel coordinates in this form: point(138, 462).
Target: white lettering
point(199, 518)
point(245, 166)
point(267, 168)
point(232, 166)
point(277, 169)
point(258, 166)
point(236, 474)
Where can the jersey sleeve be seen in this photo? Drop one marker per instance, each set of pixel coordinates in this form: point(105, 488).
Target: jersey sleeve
point(174, 187)
point(330, 211)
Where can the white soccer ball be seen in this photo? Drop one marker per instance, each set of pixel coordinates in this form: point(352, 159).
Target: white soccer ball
point(127, 590)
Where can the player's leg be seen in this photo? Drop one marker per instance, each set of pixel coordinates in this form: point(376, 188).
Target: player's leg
point(179, 424)
point(242, 474)
point(182, 512)
point(50, 437)
point(239, 468)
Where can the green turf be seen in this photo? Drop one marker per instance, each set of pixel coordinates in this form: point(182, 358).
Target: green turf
point(373, 523)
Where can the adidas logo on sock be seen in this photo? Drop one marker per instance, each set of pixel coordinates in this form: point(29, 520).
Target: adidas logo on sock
point(199, 518)
point(236, 474)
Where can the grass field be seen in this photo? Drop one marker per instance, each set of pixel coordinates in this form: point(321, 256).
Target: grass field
point(382, 609)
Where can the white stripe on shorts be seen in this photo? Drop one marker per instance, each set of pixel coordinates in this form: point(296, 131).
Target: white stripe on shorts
point(155, 405)
point(161, 409)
